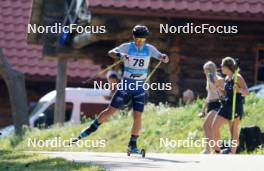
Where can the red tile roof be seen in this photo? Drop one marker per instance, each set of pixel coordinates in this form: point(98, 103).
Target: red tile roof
point(14, 16)
point(218, 6)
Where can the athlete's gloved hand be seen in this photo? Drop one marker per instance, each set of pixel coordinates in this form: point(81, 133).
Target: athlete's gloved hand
point(164, 58)
point(121, 55)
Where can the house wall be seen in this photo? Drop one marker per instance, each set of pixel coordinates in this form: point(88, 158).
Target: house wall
point(193, 50)
point(188, 52)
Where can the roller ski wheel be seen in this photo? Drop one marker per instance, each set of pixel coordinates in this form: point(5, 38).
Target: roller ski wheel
point(226, 151)
point(143, 153)
point(128, 152)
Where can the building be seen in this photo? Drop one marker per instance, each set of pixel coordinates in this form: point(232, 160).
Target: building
point(188, 52)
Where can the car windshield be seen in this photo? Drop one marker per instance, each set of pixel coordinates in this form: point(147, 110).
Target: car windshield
point(37, 107)
point(261, 93)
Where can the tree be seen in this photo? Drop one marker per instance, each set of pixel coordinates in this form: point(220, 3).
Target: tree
point(15, 82)
point(61, 82)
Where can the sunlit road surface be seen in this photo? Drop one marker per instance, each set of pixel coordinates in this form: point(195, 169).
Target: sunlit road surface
point(162, 161)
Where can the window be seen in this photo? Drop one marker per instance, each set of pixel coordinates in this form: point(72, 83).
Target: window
point(47, 117)
point(260, 65)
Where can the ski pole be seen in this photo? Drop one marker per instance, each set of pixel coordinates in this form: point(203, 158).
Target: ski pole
point(101, 72)
point(234, 98)
point(152, 72)
point(234, 91)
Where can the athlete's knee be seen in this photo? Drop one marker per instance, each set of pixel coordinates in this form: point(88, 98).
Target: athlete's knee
point(218, 121)
point(109, 111)
point(215, 126)
point(206, 125)
point(137, 115)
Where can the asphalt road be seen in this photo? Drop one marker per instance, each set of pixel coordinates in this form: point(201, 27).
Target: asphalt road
point(160, 162)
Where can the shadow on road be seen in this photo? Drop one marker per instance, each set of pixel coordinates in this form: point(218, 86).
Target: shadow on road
point(110, 165)
point(154, 159)
point(168, 160)
point(134, 161)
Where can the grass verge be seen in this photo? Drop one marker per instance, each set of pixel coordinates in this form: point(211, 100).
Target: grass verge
point(159, 122)
point(21, 161)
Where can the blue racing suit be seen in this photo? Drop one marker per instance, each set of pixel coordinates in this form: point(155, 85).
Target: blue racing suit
point(136, 63)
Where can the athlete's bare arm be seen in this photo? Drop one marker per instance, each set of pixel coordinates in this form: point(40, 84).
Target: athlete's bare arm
point(112, 53)
point(242, 86)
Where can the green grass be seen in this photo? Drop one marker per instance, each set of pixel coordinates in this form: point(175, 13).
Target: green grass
point(158, 122)
point(21, 161)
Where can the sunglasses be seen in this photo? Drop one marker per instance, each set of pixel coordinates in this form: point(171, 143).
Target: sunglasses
point(140, 39)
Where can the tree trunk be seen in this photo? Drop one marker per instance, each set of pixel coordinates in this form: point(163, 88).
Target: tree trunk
point(15, 82)
point(61, 81)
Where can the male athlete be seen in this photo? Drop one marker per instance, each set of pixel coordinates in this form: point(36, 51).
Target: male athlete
point(135, 56)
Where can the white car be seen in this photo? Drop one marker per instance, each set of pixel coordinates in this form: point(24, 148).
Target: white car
point(258, 89)
point(86, 101)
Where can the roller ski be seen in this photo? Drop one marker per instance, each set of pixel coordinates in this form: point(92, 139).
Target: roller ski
point(75, 140)
point(132, 147)
point(135, 150)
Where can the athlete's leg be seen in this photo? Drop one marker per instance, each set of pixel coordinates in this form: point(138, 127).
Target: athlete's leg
point(138, 100)
point(218, 122)
point(234, 132)
point(104, 115)
point(137, 123)
point(116, 102)
point(207, 128)
point(135, 130)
